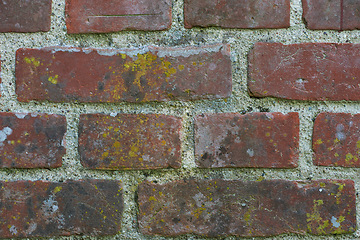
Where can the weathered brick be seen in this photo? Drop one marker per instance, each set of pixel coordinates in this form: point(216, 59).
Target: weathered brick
point(268, 140)
point(218, 208)
point(308, 71)
point(44, 209)
point(31, 140)
point(149, 74)
point(129, 141)
point(332, 14)
point(90, 16)
point(237, 13)
point(25, 16)
point(336, 140)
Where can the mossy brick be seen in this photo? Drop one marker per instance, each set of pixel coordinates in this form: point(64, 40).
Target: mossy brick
point(331, 14)
point(237, 13)
point(32, 140)
point(267, 140)
point(306, 71)
point(46, 209)
point(129, 141)
point(221, 208)
point(336, 140)
point(93, 16)
point(25, 15)
point(107, 75)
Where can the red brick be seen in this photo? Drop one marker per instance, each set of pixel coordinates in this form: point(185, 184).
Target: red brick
point(333, 14)
point(308, 71)
point(149, 74)
point(268, 140)
point(31, 140)
point(90, 16)
point(129, 141)
point(336, 140)
point(25, 15)
point(237, 13)
point(44, 209)
point(219, 208)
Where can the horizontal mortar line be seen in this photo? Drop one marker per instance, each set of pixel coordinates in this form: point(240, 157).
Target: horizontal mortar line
point(126, 15)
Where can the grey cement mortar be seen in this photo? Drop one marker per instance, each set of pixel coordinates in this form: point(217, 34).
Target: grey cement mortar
point(241, 42)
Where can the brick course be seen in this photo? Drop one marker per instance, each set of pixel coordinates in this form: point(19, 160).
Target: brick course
point(25, 16)
point(44, 209)
point(219, 208)
point(88, 16)
point(307, 71)
point(104, 75)
point(268, 140)
point(237, 13)
point(32, 140)
point(336, 140)
point(129, 141)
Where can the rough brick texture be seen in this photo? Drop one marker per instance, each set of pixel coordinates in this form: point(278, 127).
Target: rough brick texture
point(336, 140)
point(268, 140)
point(308, 71)
point(237, 13)
point(44, 209)
point(129, 141)
point(215, 208)
point(150, 74)
point(25, 15)
point(92, 16)
point(31, 140)
point(332, 14)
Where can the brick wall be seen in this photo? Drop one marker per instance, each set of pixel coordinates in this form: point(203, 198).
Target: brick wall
point(175, 119)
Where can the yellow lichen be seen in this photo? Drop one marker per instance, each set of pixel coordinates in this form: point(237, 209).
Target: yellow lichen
point(53, 80)
point(32, 61)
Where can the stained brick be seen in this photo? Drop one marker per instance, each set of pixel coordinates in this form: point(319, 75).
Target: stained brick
point(149, 74)
point(25, 16)
point(336, 140)
point(237, 13)
point(219, 208)
point(307, 71)
point(90, 16)
point(31, 140)
point(129, 141)
point(332, 14)
point(252, 140)
point(44, 209)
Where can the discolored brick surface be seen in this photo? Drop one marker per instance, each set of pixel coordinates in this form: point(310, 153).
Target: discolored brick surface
point(44, 209)
point(31, 140)
point(92, 16)
point(129, 141)
point(218, 208)
point(25, 15)
point(149, 74)
point(332, 14)
point(307, 71)
point(237, 13)
point(336, 140)
point(268, 140)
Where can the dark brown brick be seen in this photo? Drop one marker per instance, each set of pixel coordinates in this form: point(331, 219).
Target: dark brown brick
point(332, 14)
point(149, 74)
point(336, 140)
point(92, 16)
point(31, 140)
point(218, 208)
point(308, 71)
point(237, 13)
point(44, 209)
point(268, 140)
point(25, 15)
point(129, 141)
